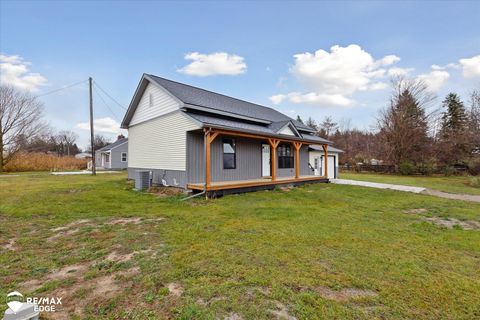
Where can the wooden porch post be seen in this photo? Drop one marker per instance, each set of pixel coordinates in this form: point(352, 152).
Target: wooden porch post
point(325, 151)
point(210, 136)
point(297, 146)
point(273, 144)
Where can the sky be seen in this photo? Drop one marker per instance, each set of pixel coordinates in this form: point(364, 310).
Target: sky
point(313, 59)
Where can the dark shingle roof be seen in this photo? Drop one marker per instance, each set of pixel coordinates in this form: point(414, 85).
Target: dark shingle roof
point(230, 123)
point(113, 145)
point(190, 95)
point(330, 149)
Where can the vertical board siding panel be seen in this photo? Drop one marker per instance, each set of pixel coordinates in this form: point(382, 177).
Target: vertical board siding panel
point(163, 103)
point(160, 143)
point(248, 160)
point(304, 160)
point(195, 158)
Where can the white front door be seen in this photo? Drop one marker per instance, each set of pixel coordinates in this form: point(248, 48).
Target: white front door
point(265, 160)
point(331, 167)
point(317, 165)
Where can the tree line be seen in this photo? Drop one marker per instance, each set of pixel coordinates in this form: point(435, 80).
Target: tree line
point(23, 129)
point(412, 133)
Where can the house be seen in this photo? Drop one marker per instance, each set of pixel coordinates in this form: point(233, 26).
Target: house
point(83, 155)
point(113, 156)
point(204, 141)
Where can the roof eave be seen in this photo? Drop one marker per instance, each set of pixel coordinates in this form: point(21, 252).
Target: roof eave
point(266, 134)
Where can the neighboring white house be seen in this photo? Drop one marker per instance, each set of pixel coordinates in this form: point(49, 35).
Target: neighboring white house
point(113, 156)
point(316, 158)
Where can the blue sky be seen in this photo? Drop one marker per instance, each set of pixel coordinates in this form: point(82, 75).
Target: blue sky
point(307, 58)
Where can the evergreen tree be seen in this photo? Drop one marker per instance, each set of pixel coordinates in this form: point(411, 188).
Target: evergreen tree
point(454, 138)
point(299, 119)
point(311, 123)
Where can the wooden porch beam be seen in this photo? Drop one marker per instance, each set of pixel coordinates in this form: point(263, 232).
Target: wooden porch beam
point(273, 144)
point(297, 146)
point(325, 151)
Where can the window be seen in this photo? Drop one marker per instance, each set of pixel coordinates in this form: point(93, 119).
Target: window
point(285, 156)
point(107, 157)
point(124, 157)
point(229, 159)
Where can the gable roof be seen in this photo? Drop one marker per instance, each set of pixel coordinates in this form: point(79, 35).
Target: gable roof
point(114, 145)
point(203, 100)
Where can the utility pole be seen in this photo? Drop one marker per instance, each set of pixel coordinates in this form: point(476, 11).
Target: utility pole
point(92, 144)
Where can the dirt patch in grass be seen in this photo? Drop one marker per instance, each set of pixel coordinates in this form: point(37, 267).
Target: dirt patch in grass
point(451, 223)
point(70, 225)
point(416, 211)
point(345, 294)
point(281, 312)
point(175, 289)
point(73, 228)
point(233, 316)
point(10, 245)
point(211, 301)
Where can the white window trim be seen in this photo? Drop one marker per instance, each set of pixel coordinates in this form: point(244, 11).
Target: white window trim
point(121, 157)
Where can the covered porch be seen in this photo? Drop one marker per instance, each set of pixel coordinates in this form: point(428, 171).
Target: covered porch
point(276, 176)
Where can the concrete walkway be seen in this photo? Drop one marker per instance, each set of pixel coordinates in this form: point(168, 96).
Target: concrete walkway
point(67, 173)
point(436, 193)
point(378, 185)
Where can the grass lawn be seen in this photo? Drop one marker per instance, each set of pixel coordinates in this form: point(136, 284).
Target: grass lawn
point(315, 252)
point(452, 184)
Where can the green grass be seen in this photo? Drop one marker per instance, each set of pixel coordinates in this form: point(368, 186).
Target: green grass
point(452, 184)
point(240, 254)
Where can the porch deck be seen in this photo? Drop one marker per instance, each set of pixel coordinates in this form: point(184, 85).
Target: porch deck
point(236, 184)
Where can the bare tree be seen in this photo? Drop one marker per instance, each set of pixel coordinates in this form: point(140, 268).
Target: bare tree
point(20, 120)
point(68, 138)
point(474, 119)
point(99, 142)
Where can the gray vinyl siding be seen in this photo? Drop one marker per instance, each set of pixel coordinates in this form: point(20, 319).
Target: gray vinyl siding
point(116, 157)
point(248, 160)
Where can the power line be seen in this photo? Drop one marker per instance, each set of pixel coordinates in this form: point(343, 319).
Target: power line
point(97, 85)
point(105, 103)
point(60, 89)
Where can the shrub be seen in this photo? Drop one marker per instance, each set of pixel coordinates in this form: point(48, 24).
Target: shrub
point(426, 169)
point(474, 167)
point(406, 168)
point(36, 161)
point(448, 171)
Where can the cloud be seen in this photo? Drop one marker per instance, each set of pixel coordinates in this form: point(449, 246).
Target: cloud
point(14, 71)
point(435, 79)
point(218, 63)
point(106, 125)
point(396, 71)
point(470, 66)
point(312, 98)
point(330, 78)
